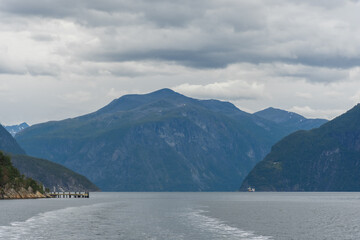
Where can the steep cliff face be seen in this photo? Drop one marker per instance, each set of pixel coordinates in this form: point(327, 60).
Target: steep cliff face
point(13, 185)
point(162, 141)
point(323, 159)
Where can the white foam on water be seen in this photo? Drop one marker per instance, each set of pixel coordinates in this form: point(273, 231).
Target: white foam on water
point(219, 229)
point(123, 220)
point(47, 225)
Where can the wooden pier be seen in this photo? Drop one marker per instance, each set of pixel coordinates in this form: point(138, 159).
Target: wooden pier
point(69, 194)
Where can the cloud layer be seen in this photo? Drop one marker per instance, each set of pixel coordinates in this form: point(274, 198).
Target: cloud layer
point(242, 51)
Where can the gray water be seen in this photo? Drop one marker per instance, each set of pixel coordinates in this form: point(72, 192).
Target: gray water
point(184, 216)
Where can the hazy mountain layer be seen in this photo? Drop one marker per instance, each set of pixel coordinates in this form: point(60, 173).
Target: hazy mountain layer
point(14, 129)
point(8, 143)
point(290, 120)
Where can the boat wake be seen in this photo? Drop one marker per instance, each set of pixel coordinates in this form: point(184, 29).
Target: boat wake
point(58, 224)
point(126, 220)
point(219, 229)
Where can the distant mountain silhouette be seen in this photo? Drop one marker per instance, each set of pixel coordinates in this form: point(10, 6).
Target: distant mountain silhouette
point(14, 129)
point(290, 120)
point(8, 143)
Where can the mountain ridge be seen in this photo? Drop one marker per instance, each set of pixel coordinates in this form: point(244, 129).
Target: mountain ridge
point(321, 159)
point(289, 119)
point(161, 141)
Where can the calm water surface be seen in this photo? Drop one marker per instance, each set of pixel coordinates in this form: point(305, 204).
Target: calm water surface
point(169, 216)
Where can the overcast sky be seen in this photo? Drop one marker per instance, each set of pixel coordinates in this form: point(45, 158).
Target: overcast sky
point(61, 59)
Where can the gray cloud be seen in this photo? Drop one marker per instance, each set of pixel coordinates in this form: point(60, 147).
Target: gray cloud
point(208, 34)
point(314, 74)
point(7, 70)
point(43, 8)
point(43, 37)
point(245, 51)
point(163, 13)
point(230, 90)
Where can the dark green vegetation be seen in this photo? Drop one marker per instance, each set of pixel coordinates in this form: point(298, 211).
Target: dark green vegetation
point(322, 159)
point(48, 173)
point(52, 174)
point(162, 141)
point(10, 178)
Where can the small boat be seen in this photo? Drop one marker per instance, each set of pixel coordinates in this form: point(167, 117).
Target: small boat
point(250, 189)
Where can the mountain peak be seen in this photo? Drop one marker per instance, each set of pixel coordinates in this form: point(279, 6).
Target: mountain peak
point(132, 101)
point(160, 92)
point(8, 143)
point(289, 119)
point(350, 119)
point(164, 91)
point(14, 129)
point(278, 115)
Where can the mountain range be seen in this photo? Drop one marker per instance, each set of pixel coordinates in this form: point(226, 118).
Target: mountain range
point(322, 159)
point(163, 141)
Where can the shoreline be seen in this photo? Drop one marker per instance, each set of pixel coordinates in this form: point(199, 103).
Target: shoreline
point(22, 193)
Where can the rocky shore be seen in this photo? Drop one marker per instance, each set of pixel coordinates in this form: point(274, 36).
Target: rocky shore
point(14, 185)
point(22, 193)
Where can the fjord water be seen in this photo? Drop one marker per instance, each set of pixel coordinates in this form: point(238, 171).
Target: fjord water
point(184, 216)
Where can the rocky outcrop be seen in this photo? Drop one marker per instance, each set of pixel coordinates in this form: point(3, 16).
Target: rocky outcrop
point(13, 185)
point(21, 193)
